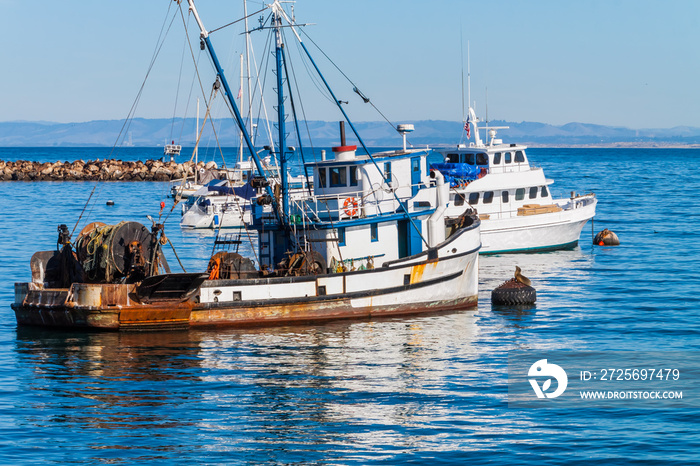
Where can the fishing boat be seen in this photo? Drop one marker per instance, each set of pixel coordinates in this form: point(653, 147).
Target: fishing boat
point(512, 198)
point(370, 239)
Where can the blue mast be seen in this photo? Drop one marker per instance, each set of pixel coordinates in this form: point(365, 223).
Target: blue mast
point(282, 137)
point(229, 96)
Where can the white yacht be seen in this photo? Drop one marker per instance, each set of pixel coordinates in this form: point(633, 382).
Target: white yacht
point(512, 198)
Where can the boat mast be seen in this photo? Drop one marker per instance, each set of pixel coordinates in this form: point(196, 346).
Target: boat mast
point(204, 36)
point(345, 115)
point(282, 136)
point(196, 146)
point(247, 64)
point(240, 102)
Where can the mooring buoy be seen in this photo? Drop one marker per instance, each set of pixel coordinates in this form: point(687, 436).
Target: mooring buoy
point(606, 238)
point(110, 202)
point(517, 290)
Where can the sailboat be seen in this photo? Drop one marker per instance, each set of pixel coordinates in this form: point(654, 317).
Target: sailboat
point(370, 239)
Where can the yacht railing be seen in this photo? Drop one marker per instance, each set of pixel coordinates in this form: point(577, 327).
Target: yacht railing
point(565, 204)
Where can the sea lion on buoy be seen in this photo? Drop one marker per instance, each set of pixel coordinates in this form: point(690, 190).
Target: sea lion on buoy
point(514, 292)
point(521, 278)
point(606, 238)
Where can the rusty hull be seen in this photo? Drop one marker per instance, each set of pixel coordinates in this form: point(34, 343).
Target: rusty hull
point(113, 307)
point(105, 307)
point(260, 314)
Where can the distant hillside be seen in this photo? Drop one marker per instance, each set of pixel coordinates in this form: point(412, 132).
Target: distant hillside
point(156, 132)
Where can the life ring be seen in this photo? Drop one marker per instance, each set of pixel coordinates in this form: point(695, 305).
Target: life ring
point(350, 206)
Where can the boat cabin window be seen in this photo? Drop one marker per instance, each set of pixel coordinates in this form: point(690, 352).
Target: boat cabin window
point(519, 157)
point(520, 194)
point(533, 192)
point(507, 157)
point(387, 171)
point(473, 198)
point(544, 192)
point(321, 178)
point(482, 159)
point(488, 197)
point(468, 158)
point(353, 175)
point(453, 158)
point(341, 236)
point(338, 177)
point(497, 158)
point(459, 199)
point(504, 197)
point(374, 232)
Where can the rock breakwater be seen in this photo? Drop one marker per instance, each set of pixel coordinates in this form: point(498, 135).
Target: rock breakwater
point(99, 170)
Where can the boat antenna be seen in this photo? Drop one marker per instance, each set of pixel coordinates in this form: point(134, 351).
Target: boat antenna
point(461, 46)
point(469, 77)
point(487, 105)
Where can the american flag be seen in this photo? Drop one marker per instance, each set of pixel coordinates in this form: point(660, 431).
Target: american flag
point(466, 127)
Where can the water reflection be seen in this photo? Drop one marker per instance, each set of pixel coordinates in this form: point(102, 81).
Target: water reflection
point(292, 386)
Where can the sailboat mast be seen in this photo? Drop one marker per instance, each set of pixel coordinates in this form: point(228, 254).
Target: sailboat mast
point(196, 146)
point(282, 136)
point(240, 102)
point(247, 64)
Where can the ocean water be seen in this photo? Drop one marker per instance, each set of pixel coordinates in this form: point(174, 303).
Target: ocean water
point(426, 389)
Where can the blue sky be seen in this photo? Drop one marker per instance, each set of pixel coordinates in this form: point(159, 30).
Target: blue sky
point(624, 63)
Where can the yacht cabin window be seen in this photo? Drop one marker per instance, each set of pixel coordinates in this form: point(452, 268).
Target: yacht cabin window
point(520, 194)
point(482, 159)
point(497, 158)
point(338, 177)
point(519, 157)
point(488, 197)
point(473, 198)
point(504, 197)
point(544, 192)
point(533, 192)
point(321, 178)
point(507, 158)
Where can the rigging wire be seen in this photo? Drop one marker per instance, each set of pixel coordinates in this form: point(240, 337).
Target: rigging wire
point(355, 89)
point(177, 93)
point(189, 96)
point(237, 21)
point(159, 45)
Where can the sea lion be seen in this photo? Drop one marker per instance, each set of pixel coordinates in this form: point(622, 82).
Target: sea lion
point(606, 238)
point(521, 278)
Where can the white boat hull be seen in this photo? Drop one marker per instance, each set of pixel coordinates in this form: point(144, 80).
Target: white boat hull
point(415, 284)
point(548, 231)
